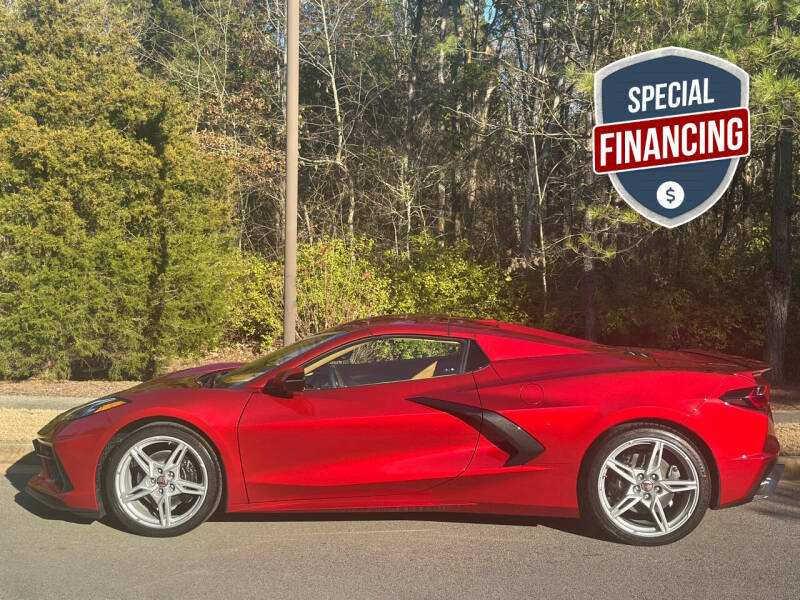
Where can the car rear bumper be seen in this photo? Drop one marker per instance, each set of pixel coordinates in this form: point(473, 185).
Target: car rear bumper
point(769, 482)
point(762, 482)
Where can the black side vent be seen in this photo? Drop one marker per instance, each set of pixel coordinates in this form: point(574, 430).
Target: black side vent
point(501, 431)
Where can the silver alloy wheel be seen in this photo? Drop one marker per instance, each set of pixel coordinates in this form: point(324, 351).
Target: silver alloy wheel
point(161, 482)
point(648, 487)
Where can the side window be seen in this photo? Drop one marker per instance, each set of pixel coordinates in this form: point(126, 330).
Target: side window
point(476, 358)
point(384, 360)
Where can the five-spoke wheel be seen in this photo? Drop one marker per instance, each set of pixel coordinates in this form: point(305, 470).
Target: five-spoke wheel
point(646, 485)
point(162, 480)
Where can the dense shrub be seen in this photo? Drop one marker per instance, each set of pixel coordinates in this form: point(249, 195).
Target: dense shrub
point(341, 280)
point(448, 279)
point(642, 302)
point(337, 281)
point(114, 225)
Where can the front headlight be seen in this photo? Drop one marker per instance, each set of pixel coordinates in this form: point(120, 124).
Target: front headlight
point(95, 406)
point(90, 408)
point(84, 410)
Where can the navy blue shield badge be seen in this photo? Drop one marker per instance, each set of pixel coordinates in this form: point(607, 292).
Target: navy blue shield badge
point(671, 125)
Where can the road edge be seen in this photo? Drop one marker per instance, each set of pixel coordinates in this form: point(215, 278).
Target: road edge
point(791, 471)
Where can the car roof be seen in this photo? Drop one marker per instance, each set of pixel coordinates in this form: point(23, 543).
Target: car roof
point(450, 325)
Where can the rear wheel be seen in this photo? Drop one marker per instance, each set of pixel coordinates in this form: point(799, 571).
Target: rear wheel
point(162, 480)
point(646, 485)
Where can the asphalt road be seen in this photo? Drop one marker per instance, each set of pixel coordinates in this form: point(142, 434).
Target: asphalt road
point(752, 551)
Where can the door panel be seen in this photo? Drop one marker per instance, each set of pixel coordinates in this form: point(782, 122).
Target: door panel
point(362, 441)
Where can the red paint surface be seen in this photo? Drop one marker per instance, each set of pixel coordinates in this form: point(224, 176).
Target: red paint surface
point(371, 448)
point(688, 128)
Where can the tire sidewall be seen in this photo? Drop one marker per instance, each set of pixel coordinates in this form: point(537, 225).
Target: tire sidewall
point(203, 449)
point(590, 495)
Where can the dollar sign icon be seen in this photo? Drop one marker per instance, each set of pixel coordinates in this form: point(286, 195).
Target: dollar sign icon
point(670, 194)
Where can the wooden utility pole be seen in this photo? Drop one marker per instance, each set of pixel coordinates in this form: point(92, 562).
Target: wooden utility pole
point(292, 119)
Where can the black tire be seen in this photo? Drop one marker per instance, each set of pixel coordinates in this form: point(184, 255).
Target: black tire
point(592, 506)
point(201, 448)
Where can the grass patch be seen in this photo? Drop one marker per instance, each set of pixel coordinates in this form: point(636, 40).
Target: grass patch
point(789, 437)
point(21, 424)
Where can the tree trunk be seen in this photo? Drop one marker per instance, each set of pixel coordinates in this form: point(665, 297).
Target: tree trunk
point(477, 156)
point(441, 195)
point(409, 133)
point(778, 281)
point(589, 276)
point(351, 211)
point(589, 282)
point(155, 134)
point(441, 188)
point(530, 201)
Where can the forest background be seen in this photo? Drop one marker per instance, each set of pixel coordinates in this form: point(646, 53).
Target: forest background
point(445, 167)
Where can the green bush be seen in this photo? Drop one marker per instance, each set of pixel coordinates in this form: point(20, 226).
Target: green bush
point(341, 280)
point(446, 279)
point(337, 281)
point(114, 224)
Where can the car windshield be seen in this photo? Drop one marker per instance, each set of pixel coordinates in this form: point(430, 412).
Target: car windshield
point(274, 359)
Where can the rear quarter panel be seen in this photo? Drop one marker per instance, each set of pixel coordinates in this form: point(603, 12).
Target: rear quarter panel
point(568, 402)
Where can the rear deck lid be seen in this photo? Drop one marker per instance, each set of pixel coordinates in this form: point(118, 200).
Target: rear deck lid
point(708, 361)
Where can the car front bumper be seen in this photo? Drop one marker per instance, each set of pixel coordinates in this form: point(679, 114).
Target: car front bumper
point(67, 477)
point(35, 491)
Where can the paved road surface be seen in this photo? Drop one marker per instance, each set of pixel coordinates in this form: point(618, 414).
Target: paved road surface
point(751, 551)
point(40, 402)
point(786, 416)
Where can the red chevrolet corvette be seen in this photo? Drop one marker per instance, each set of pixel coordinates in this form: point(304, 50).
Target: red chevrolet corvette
point(425, 413)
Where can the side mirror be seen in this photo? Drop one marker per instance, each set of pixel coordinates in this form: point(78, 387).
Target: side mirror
point(286, 383)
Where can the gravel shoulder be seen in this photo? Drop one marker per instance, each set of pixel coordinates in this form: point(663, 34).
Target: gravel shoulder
point(789, 437)
point(21, 424)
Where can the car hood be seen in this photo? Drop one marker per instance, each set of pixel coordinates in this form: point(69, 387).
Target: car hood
point(195, 377)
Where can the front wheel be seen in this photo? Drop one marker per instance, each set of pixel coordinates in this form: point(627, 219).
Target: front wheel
point(162, 480)
point(646, 485)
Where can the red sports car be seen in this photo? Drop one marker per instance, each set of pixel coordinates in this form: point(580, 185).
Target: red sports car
point(425, 413)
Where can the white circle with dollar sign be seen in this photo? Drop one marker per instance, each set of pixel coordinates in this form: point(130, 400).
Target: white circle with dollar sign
point(670, 194)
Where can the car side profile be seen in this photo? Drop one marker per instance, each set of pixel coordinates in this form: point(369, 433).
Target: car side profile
point(425, 413)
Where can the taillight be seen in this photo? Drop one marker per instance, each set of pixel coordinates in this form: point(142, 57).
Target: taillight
point(752, 397)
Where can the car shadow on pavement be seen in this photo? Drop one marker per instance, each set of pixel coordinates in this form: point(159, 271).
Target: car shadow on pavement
point(18, 474)
point(23, 469)
point(784, 503)
point(572, 526)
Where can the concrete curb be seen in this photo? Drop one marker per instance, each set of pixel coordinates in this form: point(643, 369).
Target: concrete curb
point(41, 402)
point(791, 471)
point(786, 416)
